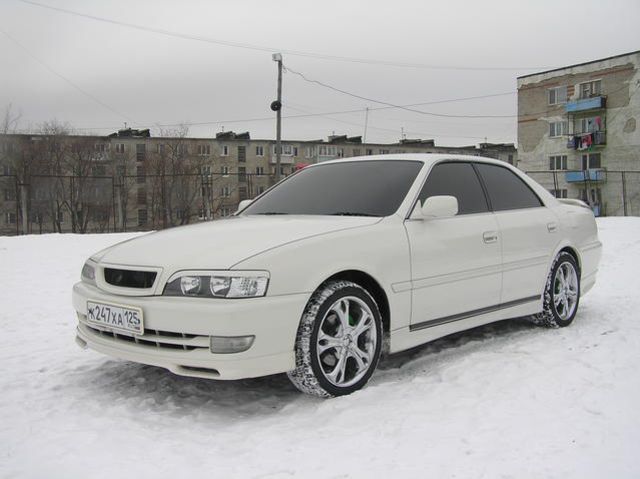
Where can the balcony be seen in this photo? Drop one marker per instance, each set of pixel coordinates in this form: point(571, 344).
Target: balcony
point(584, 141)
point(593, 174)
point(586, 104)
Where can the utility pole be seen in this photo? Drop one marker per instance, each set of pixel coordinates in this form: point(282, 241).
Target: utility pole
point(277, 107)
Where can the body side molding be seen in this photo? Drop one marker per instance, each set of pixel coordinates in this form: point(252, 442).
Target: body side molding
point(469, 314)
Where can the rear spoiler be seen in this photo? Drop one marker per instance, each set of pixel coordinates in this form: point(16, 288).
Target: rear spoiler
point(573, 202)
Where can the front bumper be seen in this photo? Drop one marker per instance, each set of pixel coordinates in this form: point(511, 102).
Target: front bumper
point(177, 332)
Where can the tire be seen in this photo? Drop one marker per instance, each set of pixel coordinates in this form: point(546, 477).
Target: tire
point(339, 341)
point(561, 294)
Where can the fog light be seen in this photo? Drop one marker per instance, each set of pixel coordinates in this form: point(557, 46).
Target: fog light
point(230, 344)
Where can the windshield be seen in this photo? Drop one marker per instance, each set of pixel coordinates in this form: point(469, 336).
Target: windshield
point(350, 188)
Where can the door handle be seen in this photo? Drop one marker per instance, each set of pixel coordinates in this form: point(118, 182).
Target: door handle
point(490, 236)
point(552, 227)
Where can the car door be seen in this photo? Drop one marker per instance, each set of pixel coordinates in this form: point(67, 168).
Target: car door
point(528, 233)
point(455, 261)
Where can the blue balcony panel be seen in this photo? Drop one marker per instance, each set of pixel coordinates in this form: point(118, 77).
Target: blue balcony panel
point(594, 174)
point(584, 104)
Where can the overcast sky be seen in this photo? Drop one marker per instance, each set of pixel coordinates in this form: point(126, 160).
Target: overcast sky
point(147, 78)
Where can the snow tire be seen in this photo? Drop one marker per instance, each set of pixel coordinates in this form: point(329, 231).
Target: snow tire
point(308, 376)
point(549, 316)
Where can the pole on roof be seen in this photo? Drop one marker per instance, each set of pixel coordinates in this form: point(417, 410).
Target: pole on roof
point(366, 122)
point(277, 106)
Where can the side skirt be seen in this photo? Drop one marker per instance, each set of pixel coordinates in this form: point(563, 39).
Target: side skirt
point(469, 314)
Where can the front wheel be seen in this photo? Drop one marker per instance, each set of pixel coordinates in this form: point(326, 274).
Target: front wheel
point(562, 293)
point(338, 342)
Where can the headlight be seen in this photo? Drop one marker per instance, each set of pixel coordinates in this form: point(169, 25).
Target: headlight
point(89, 272)
point(214, 284)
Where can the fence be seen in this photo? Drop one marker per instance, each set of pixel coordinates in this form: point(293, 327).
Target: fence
point(101, 204)
point(608, 192)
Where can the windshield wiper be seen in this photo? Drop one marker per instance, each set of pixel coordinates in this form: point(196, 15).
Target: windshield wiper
point(271, 213)
point(352, 213)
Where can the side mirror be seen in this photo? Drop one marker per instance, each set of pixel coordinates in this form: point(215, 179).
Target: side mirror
point(439, 207)
point(243, 204)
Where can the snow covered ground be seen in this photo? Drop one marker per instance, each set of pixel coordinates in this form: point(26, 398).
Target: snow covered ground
point(506, 400)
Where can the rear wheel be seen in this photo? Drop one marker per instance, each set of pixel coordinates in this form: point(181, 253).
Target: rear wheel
point(338, 342)
point(562, 293)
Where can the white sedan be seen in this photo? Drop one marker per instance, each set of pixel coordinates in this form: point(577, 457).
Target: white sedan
point(338, 263)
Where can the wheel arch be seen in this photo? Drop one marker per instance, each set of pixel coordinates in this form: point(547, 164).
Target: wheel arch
point(372, 286)
point(573, 252)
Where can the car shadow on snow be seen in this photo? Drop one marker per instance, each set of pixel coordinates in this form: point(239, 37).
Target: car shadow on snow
point(150, 388)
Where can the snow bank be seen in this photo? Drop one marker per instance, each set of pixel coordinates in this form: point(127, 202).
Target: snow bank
point(506, 400)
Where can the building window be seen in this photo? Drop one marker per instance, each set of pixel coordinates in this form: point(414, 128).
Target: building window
point(225, 192)
point(384, 152)
point(10, 218)
point(224, 170)
point(102, 147)
point(142, 217)
point(510, 159)
point(140, 151)
point(242, 173)
point(369, 152)
point(160, 149)
point(340, 152)
point(557, 95)
point(242, 154)
point(120, 170)
point(259, 150)
point(259, 170)
point(557, 128)
point(225, 212)
point(558, 162)
point(589, 124)
point(120, 148)
point(591, 160)
point(561, 193)
point(182, 149)
point(9, 194)
point(287, 150)
point(260, 190)
point(224, 151)
point(205, 170)
point(142, 196)
point(179, 214)
point(308, 152)
point(204, 150)
point(242, 192)
point(328, 151)
point(590, 89)
point(140, 174)
point(356, 152)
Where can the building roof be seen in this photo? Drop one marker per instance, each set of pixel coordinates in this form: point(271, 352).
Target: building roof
point(580, 64)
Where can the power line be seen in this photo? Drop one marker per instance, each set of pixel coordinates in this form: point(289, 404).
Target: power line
point(248, 46)
point(421, 112)
point(420, 134)
point(59, 75)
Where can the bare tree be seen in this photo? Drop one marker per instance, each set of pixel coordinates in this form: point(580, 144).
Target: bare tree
point(10, 120)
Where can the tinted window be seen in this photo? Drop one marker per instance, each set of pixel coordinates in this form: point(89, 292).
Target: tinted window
point(354, 188)
point(506, 191)
point(459, 180)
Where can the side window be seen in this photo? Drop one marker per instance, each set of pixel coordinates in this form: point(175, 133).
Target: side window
point(506, 191)
point(459, 180)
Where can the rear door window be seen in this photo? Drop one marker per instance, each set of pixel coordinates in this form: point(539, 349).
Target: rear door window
point(505, 189)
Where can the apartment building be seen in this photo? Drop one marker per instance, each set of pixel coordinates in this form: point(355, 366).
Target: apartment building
point(578, 132)
point(131, 181)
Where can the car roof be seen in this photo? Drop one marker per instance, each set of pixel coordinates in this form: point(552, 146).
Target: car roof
point(427, 158)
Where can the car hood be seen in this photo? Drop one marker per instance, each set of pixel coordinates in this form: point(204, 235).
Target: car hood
point(223, 243)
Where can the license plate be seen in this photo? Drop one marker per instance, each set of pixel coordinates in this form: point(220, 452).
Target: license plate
point(113, 316)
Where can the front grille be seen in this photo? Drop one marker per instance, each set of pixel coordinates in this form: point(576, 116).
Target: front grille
point(127, 278)
point(157, 339)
